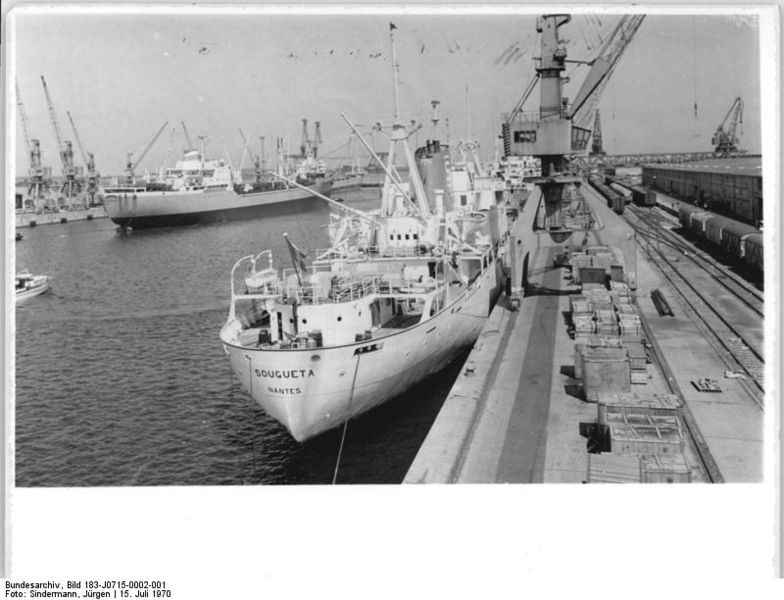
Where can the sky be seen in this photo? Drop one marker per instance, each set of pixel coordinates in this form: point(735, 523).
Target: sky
point(122, 76)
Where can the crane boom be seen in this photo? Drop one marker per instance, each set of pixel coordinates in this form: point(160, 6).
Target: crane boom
point(76, 136)
point(130, 167)
point(53, 118)
point(187, 137)
point(23, 117)
point(582, 109)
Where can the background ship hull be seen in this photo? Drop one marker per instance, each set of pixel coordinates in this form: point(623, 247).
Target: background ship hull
point(314, 390)
point(172, 209)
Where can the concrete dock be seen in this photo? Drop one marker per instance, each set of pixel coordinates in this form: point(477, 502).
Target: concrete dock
point(28, 219)
point(513, 414)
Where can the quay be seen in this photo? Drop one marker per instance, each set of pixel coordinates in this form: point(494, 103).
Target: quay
point(31, 219)
point(513, 414)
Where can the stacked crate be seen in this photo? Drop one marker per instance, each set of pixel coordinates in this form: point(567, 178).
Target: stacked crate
point(604, 369)
point(580, 260)
point(645, 434)
point(638, 362)
point(583, 346)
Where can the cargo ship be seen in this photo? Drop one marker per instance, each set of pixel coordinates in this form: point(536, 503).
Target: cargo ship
point(196, 191)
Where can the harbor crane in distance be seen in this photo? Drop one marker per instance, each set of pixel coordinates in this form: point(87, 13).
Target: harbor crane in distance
point(596, 141)
point(131, 166)
point(724, 140)
point(39, 177)
point(70, 187)
point(92, 178)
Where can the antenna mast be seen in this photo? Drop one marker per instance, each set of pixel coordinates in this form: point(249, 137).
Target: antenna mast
point(392, 28)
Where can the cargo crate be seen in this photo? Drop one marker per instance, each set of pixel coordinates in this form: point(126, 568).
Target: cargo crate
point(644, 403)
point(612, 468)
point(605, 370)
point(672, 468)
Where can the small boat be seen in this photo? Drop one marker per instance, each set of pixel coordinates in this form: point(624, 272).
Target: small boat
point(28, 285)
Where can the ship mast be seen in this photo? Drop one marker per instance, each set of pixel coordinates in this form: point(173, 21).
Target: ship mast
point(392, 28)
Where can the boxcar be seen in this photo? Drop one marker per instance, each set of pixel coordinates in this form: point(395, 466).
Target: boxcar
point(699, 221)
point(751, 250)
point(714, 227)
point(732, 235)
point(685, 212)
point(650, 198)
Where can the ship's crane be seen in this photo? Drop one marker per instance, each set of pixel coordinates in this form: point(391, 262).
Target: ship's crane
point(70, 187)
point(316, 139)
point(187, 137)
point(725, 141)
point(131, 166)
point(38, 184)
point(93, 176)
point(305, 144)
point(254, 157)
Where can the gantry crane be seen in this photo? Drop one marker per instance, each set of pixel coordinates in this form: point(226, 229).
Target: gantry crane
point(131, 166)
point(70, 187)
point(38, 182)
point(725, 141)
point(92, 179)
point(560, 130)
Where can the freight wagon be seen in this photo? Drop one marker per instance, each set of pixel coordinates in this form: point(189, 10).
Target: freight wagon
point(739, 240)
point(614, 200)
point(623, 191)
point(643, 197)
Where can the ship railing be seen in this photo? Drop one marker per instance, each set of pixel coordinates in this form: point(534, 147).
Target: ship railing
point(350, 289)
point(373, 252)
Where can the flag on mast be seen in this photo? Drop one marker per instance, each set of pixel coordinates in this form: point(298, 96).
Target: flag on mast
point(297, 256)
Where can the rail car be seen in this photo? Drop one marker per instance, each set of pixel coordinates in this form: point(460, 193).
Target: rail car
point(615, 201)
point(643, 197)
point(739, 240)
point(623, 191)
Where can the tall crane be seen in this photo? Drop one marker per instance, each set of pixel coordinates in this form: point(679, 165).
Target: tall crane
point(725, 141)
point(93, 177)
point(131, 166)
point(71, 187)
point(38, 182)
point(254, 157)
point(596, 142)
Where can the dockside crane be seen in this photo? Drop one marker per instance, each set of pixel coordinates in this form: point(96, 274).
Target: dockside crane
point(71, 187)
point(596, 141)
point(561, 131)
point(92, 179)
point(38, 184)
point(131, 166)
point(725, 141)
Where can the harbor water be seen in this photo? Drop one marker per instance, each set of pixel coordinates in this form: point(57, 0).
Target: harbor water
point(121, 380)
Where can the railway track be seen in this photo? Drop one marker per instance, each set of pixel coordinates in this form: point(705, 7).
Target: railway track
point(739, 353)
point(740, 288)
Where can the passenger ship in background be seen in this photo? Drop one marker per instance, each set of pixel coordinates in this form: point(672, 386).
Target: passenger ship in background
point(396, 296)
point(199, 190)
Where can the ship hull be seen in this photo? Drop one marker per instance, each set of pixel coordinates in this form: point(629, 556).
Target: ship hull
point(313, 390)
point(169, 209)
